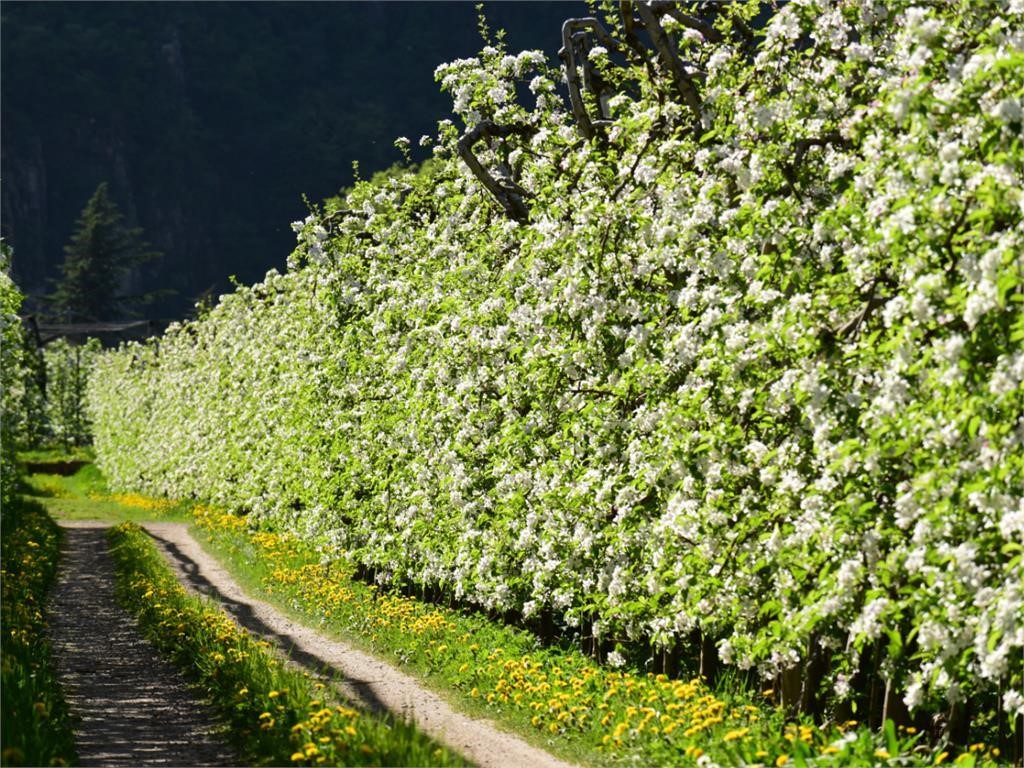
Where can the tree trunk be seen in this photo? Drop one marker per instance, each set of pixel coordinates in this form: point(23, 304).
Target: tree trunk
point(791, 684)
point(708, 659)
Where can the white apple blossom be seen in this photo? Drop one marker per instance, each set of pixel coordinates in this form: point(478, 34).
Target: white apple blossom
point(773, 384)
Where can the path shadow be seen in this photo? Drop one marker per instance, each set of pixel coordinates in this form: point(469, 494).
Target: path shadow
point(243, 613)
point(62, 468)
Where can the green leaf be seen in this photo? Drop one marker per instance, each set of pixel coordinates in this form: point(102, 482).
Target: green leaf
point(895, 643)
point(891, 742)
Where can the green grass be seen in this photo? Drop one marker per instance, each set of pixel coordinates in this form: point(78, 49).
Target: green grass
point(83, 494)
point(245, 556)
point(559, 699)
point(277, 716)
point(56, 454)
point(35, 726)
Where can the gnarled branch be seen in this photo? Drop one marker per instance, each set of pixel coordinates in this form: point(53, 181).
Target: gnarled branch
point(508, 194)
point(671, 8)
point(800, 149)
point(669, 58)
point(574, 45)
point(872, 301)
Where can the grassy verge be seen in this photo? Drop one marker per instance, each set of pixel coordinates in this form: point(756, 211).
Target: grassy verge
point(71, 487)
point(558, 699)
point(35, 724)
point(277, 716)
point(56, 455)
point(562, 699)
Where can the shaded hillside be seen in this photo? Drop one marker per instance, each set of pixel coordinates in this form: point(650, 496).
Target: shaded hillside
point(210, 121)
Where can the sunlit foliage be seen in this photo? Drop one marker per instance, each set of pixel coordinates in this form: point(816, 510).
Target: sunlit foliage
point(753, 384)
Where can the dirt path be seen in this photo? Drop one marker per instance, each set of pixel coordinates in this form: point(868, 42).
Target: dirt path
point(369, 681)
point(132, 708)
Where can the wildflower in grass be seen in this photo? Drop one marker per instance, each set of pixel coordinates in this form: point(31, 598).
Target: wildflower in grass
point(622, 711)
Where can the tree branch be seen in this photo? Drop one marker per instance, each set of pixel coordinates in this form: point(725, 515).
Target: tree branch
point(800, 149)
point(628, 26)
point(670, 60)
point(740, 26)
point(573, 42)
point(671, 8)
point(509, 196)
point(872, 302)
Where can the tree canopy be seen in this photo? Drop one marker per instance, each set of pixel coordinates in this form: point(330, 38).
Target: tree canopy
point(99, 261)
point(725, 363)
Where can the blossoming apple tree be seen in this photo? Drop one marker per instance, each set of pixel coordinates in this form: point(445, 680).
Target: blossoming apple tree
point(723, 355)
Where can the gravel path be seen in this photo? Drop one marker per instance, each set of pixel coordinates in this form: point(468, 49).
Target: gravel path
point(368, 681)
point(132, 708)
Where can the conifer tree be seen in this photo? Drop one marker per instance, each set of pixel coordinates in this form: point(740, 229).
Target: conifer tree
point(100, 255)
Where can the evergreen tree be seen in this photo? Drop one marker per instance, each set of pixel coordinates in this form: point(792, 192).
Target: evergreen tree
point(97, 260)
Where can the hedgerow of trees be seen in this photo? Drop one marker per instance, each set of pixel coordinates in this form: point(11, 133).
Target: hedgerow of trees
point(721, 361)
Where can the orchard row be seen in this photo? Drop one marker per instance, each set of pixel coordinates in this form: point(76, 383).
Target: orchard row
point(740, 377)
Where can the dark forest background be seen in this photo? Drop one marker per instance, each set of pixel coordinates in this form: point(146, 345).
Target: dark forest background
point(210, 121)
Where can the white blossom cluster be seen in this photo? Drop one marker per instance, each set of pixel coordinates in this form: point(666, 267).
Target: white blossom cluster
point(15, 379)
point(764, 383)
point(68, 367)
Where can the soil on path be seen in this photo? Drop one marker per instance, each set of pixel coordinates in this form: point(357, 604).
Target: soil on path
point(132, 708)
point(368, 681)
